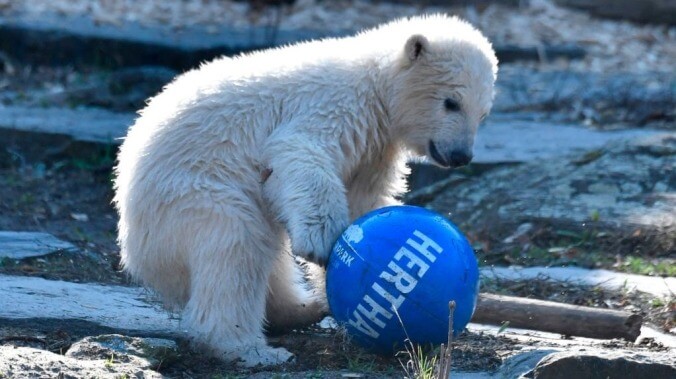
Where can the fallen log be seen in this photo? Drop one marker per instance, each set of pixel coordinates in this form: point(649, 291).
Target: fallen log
point(566, 319)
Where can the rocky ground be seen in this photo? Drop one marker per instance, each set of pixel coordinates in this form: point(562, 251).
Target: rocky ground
point(571, 197)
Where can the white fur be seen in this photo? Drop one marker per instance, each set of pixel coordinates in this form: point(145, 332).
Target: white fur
point(205, 224)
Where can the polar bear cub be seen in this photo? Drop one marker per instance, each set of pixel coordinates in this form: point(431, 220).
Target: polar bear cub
point(239, 165)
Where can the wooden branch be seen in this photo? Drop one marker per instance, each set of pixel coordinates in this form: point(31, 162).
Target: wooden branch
point(571, 320)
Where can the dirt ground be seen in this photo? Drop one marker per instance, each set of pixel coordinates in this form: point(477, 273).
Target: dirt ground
point(71, 200)
point(320, 353)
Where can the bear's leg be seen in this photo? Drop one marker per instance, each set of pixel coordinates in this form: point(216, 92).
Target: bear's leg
point(232, 255)
point(305, 191)
point(295, 298)
point(378, 184)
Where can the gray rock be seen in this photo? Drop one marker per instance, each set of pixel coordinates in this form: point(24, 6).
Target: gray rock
point(142, 352)
point(623, 186)
point(647, 11)
point(605, 364)
point(118, 307)
point(495, 141)
point(80, 41)
point(601, 99)
point(20, 245)
point(91, 125)
point(531, 347)
point(611, 280)
point(519, 365)
point(516, 138)
point(519, 138)
point(58, 39)
point(26, 362)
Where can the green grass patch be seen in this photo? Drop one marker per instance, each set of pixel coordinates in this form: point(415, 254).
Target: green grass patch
point(642, 266)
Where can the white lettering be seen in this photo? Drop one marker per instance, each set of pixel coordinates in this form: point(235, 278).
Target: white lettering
point(376, 309)
point(396, 302)
point(404, 282)
point(363, 326)
point(344, 255)
point(427, 242)
point(414, 260)
point(363, 318)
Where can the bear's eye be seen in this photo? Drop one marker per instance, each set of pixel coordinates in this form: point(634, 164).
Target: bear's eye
point(451, 105)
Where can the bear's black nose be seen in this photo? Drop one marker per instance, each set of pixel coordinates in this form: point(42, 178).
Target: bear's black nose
point(460, 158)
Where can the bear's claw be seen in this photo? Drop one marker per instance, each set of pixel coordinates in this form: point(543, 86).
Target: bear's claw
point(315, 242)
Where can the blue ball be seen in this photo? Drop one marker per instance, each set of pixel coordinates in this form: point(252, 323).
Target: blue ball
point(405, 258)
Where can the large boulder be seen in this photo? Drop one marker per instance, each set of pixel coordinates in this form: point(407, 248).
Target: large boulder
point(604, 364)
point(142, 352)
point(621, 193)
point(20, 245)
point(26, 362)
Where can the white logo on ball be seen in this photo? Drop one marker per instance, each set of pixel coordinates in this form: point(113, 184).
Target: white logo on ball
point(354, 234)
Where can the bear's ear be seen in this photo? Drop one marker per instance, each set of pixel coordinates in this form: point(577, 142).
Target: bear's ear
point(416, 46)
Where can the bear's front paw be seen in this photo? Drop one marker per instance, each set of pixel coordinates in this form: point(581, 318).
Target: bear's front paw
point(315, 241)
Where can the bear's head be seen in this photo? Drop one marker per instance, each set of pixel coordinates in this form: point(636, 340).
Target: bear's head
point(442, 89)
